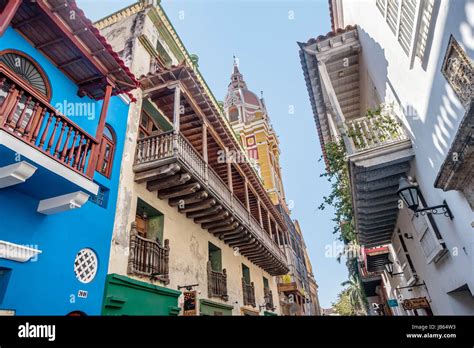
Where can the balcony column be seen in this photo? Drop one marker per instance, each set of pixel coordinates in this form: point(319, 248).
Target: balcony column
point(204, 151)
point(8, 13)
point(269, 224)
point(247, 200)
point(279, 238)
point(336, 108)
point(229, 170)
point(259, 212)
point(99, 133)
point(177, 109)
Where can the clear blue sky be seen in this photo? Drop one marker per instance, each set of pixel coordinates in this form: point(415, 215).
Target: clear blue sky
point(263, 35)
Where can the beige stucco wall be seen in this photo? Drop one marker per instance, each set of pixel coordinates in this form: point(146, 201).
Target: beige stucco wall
point(188, 241)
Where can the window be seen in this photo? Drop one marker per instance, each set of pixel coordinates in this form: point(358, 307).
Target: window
point(102, 197)
point(215, 256)
point(107, 151)
point(149, 221)
point(233, 114)
point(403, 262)
point(409, 21)
point(4, 278)
point(148, 126)
point(27, 69)
point(265, 283)
point(246, 274)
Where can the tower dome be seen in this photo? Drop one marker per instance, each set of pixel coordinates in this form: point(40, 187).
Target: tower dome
point(241, 104)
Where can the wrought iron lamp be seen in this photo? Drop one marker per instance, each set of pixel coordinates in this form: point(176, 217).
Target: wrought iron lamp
point(389, 268)
point(409, 193)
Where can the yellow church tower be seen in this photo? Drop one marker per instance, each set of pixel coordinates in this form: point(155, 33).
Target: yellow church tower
point(249, 119)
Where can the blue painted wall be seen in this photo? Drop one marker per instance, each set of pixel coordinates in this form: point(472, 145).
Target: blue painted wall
point(47, 285)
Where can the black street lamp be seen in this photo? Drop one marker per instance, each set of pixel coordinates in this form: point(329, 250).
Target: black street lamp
point(389, 268)
point(409, 193)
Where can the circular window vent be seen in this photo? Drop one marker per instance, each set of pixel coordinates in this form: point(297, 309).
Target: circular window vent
point(85, 265)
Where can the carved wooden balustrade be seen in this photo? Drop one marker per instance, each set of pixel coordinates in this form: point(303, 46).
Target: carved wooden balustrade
point(147, 257)
point(217, 283)
point(28, 116)
point(168, 162)
point(268, 295)
point(249, 293)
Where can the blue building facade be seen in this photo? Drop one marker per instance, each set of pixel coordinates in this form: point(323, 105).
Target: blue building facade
point(56, 211)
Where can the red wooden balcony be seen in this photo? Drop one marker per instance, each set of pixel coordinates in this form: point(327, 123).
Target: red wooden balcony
point(29, 117)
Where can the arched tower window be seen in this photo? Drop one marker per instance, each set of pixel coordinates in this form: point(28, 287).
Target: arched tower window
point(27, 69)
point(107, 151)
point(233, 114)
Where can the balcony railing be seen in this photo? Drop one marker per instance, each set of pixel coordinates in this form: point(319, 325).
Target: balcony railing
point(147, 257)
point(268, 299)
point(217, 283)
point(367, 133)
point(171, 145)
point(30, 118)
point(249, 293)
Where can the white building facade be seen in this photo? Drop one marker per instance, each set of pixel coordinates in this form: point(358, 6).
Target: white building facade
point(415, 56)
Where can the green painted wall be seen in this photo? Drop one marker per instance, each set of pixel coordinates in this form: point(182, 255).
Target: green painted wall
point(207, 307)
point(126, 296)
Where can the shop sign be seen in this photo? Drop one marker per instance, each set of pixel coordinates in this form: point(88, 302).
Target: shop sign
point(415, 303)
point(189, 306)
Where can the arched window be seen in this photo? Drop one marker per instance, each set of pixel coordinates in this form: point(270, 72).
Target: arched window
point(233, 114)
point(107, 151)
point(27, 69)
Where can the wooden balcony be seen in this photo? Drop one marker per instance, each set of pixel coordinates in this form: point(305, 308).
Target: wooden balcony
point(148, 258)
point(170, 164)
point(268, 296)
point(379, 152)
point(30, 118)
point(249, 293)
point(217, 283)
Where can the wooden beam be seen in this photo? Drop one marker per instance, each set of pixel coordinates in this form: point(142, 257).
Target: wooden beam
point(207, 203)
point(7, 14)
point(237, 234)
point(167, 182)
point(216, 217)
point(53, 42)
point(204, 212)
point(177, 191)
point(259, 212)
point(188, 199)
point(222, 229)
point(94, 157)
point(243, 242)
point(26, 22)
point(157, 173)
point(226, 222)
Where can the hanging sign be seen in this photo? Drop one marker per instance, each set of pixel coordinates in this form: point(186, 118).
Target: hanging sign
point(189, 306)
point(392, 302)
point(415, 303)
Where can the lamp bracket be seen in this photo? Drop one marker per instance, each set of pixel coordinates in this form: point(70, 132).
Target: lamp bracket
point(436, 210)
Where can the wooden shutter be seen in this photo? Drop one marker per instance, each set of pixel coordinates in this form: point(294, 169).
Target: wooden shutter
point(433, 247)
point(401, 265)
